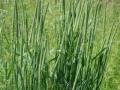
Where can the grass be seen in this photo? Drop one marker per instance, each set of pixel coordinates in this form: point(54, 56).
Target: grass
point(72, 60)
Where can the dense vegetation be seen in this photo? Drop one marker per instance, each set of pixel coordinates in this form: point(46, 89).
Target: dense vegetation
point(59, 45)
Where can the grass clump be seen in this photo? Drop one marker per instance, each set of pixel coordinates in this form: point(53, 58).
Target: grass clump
point(79, 62)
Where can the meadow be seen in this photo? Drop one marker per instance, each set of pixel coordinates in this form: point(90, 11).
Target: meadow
point(59, 45)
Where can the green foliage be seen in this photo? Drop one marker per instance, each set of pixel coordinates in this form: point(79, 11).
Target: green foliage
point(77, 61)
